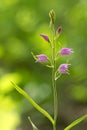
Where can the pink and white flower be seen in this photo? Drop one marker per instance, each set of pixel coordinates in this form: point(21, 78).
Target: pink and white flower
point(66, 51)
point(63, 69)
point(41, 58)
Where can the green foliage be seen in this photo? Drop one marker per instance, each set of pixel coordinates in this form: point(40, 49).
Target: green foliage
point(76, 122)
point(33, 103)
point(33, 126)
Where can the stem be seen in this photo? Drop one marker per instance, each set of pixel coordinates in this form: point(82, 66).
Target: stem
point(53, 78)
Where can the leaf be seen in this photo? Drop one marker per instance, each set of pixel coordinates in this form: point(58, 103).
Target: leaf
point(41, 110)
point(33, 126)
point(76, 122)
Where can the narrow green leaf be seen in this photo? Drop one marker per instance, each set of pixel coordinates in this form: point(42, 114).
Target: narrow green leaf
point(33, 126)
point(76, 122)
point(45, 113)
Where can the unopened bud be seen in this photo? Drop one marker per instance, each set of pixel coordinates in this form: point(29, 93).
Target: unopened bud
point(45, 37)
point(52, 16)
point(59, 30)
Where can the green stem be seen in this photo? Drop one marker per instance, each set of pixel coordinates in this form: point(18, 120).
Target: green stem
point(53, 79)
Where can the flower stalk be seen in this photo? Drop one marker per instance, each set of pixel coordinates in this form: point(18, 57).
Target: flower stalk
point(54, 76)
point(56, 73)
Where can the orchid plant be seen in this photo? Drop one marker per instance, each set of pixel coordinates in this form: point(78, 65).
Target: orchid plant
point(56, 73)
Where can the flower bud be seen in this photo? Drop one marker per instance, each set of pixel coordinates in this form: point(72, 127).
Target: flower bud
point(52, 16)
point(59, 30)
point(45, 37)
point(41, 58)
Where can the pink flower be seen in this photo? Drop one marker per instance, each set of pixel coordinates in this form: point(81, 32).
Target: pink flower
point(63, 69)
point(65, 51)
point(59, 30)
point(45, 37)
point(41, 58)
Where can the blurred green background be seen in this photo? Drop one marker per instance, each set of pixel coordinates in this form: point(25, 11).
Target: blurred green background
point(21, 22)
